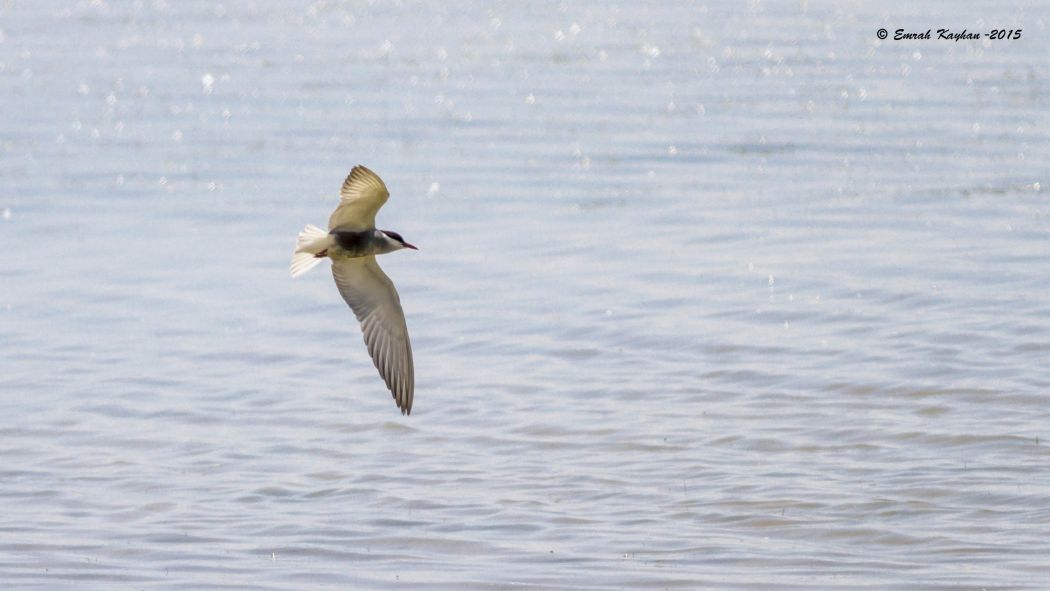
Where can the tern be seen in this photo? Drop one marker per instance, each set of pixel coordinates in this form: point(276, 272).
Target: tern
point(352, 242)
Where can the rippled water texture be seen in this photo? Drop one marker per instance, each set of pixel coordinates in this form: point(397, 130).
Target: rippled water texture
point(724, 295)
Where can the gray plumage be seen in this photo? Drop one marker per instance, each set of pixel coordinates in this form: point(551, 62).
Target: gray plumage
point(352, 243)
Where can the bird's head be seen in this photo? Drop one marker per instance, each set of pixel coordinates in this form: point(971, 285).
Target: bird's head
point(397, 241)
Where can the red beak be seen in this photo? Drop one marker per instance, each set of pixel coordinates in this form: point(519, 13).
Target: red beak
point(407, 245)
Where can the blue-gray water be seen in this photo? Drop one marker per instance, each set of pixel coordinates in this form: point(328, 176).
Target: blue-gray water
point(714, 294)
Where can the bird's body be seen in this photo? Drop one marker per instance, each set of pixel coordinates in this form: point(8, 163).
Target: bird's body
point(352, 243)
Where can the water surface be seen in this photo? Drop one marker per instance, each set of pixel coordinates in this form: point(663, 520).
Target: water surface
point(709, 295)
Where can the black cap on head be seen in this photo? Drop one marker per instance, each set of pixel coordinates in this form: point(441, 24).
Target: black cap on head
point(398, 237)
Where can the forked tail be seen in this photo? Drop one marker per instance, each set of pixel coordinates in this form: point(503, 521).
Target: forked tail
point(309, 250)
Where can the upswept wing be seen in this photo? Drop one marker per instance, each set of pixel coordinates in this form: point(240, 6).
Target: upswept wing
point(362, 195)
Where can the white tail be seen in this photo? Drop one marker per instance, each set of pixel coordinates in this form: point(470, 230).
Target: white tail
point(312, 241)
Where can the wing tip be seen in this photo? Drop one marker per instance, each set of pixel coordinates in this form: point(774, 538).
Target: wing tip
point(403, 400)
point(361, 173)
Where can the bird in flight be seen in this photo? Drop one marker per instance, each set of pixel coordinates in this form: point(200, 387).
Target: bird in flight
point(352, 242)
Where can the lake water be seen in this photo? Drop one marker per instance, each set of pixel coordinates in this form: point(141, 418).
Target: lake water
point(721, 294)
